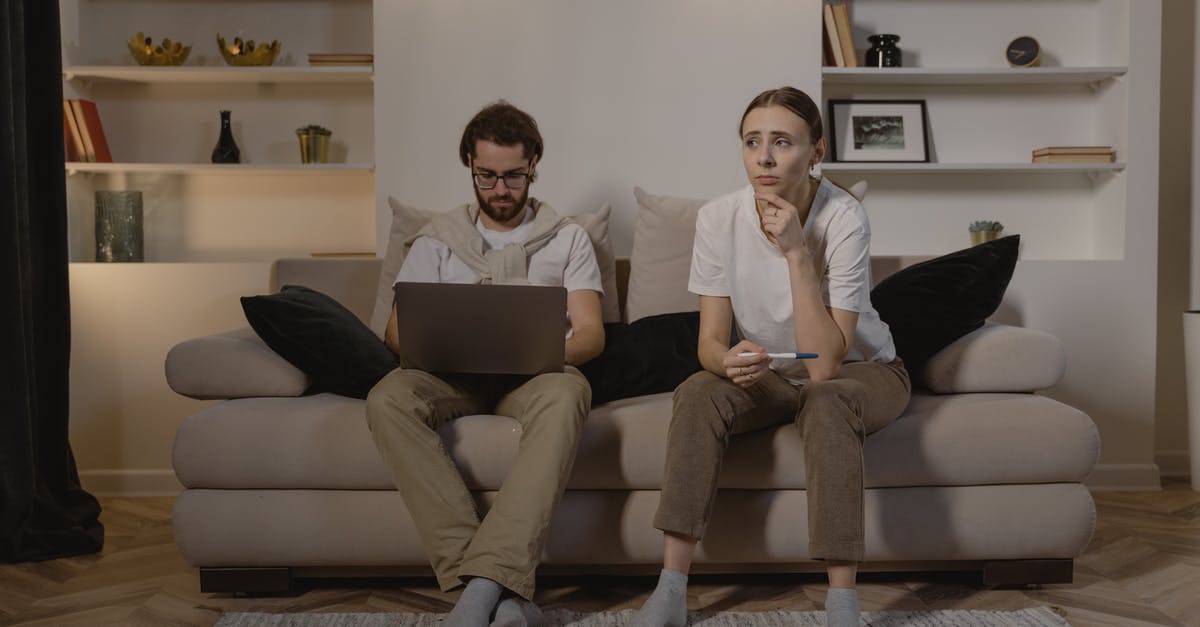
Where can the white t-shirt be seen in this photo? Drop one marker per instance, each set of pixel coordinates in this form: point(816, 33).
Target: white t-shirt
point(732, 257)
point(567, 260)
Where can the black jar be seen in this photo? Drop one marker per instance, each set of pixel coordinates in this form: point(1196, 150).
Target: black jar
point(883, 52)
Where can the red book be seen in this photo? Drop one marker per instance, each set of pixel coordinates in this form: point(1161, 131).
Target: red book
point(73, 139)
point(93, 133)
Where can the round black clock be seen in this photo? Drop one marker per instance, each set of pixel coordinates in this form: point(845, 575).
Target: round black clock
point(1024, 51)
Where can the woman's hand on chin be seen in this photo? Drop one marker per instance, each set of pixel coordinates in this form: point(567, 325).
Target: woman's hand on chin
point(781, 223)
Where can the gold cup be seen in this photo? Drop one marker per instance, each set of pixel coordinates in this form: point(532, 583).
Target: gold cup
point(314, 144)
point(979, 237)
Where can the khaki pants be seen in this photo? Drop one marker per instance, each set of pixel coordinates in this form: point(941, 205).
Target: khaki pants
point(833, 416)
point(405, 409)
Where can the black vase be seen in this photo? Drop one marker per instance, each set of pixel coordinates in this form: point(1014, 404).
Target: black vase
point(226, 150)
point(883, 52)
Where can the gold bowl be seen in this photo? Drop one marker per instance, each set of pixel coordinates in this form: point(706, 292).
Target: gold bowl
point(168, 53)
point(245, 53)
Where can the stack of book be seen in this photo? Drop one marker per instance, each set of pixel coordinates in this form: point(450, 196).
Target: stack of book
point(1075, 154)
point(82, 132)
point(839, 40)
point(341, 58)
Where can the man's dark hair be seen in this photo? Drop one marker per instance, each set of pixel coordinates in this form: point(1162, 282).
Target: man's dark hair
point(503, 124)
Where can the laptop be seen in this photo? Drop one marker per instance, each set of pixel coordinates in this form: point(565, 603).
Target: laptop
point(482, 329)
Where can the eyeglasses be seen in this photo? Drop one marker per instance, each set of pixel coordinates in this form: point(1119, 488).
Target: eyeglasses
point(513, 180)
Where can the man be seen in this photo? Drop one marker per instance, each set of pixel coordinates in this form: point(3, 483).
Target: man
point(506, 236)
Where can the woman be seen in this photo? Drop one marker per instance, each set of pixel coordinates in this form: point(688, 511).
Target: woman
point(788, 258)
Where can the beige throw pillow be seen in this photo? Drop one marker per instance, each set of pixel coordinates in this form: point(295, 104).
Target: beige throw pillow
point(661, 260)
point(407, 221)
point(596, 226)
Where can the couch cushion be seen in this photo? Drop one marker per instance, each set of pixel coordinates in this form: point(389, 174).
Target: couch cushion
point(235, 364)
point(929, 305)
point(321, 337)
point(997, 358)
point(406, 221)
point(373, 528)
point(322, 442)
point(596, 226)
point(662, 256)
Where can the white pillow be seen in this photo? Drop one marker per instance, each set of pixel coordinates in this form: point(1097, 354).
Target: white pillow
point(407, 221)
point(858, 190)
point(661, 260)
point(596, 225)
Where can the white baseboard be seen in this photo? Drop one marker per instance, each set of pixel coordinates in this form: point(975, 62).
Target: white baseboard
point(1174, 464)
point(130, 482)
point(1124, 478)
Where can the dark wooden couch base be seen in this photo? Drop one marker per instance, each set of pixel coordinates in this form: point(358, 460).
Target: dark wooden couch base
point(281, 580)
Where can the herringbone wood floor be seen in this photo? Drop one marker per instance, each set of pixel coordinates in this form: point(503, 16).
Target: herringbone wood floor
point(1141, 568)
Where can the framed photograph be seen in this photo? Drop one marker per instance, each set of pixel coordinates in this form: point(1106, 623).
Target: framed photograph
point(877, 130)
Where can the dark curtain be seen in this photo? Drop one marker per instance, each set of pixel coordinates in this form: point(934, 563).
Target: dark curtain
point(44, 513)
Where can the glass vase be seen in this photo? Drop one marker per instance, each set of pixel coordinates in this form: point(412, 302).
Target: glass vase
point(119, 226)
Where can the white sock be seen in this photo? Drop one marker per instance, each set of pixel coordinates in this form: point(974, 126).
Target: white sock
point(474, 607)
point(517, 612)
point(841, 607)
point(667, 606)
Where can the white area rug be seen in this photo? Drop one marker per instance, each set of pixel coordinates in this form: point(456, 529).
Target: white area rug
point(1030, 617)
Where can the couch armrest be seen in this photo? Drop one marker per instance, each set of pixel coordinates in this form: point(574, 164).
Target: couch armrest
point(235, 364)
point(997, 358)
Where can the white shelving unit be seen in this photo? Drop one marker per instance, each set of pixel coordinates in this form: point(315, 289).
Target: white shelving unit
point(969, 76)
point(226, 75)
point(984, 119)
point(305, 169)
point(162, 123)
point(975, 168)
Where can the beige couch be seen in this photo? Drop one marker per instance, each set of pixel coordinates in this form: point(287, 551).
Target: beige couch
point(279, 485)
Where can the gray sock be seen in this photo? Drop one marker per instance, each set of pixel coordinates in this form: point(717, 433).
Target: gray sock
point(841, 607)
point(667, 607)
point(475, 606)
point(517, 612)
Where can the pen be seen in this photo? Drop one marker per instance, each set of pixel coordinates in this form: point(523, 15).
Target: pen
point(783, 355)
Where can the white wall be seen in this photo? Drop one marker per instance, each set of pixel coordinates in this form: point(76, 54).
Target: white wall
point(626, 92)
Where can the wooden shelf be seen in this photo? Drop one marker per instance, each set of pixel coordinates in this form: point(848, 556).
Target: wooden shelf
point(974, 168)
point(218, 74)
point(968, 76)
point(222, 168)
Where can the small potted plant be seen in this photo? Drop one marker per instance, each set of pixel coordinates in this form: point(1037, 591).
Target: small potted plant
point(984, 231)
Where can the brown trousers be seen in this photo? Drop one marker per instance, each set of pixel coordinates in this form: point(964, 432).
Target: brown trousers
point(404, 411)
point(834, 417)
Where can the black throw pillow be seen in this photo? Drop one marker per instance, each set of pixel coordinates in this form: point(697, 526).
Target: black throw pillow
point(318, 335)
point(930, 304)
point(654, 354)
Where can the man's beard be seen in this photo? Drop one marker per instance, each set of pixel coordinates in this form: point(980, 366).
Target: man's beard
point(503, 215)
